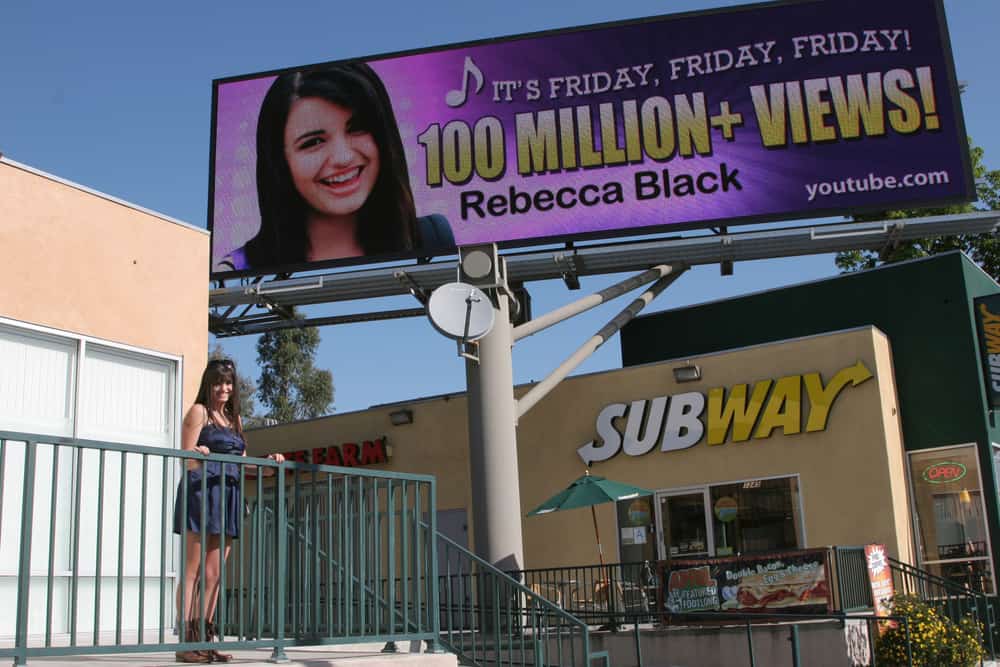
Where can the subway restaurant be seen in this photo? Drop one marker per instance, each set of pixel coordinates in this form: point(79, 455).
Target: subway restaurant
point(847, 411)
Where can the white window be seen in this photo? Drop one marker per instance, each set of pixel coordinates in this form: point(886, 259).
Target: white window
point(37, 382)
point(63, 385)
point(126, 397)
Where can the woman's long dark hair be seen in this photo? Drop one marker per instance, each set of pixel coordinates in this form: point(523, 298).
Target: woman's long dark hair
point(387, 220)
point(217, 372)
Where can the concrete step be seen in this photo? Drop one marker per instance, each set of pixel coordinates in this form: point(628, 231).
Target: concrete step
point(357, 655)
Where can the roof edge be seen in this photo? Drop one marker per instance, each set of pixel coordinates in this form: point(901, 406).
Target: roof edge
point(76, 186)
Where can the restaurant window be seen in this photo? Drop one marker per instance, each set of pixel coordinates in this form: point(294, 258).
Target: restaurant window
point(950, 514)
point(756, 515)
point(750, 516)
point(635, 527)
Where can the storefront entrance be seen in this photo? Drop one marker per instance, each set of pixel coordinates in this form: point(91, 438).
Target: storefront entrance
point(742, 517)
point(684, 527)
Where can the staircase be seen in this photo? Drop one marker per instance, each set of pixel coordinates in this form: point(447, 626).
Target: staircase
point(490, 619)
point(335, 591)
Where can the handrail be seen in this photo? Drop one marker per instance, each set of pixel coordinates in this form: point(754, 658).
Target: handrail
point(327, 554)
point(489, 618)
point(952, 599)
point(795, 620)
point(956, 602)
point(608, 595)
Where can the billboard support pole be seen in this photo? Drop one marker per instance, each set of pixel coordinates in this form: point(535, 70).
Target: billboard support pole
point(496, 495)
point(492, 409)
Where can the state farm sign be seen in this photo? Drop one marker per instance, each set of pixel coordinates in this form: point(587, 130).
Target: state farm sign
point(349, 454)
point(735, 414)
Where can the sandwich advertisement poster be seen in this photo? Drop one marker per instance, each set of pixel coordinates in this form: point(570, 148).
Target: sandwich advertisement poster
point(792, 581)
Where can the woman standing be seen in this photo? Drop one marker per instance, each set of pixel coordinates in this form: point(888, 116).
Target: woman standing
point(212, 425)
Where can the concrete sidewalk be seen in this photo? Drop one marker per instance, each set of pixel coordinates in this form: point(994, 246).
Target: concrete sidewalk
point(314, 656)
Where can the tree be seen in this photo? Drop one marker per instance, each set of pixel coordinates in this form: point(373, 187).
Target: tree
point(248, 390)
point(290, 386)
point(982, 248)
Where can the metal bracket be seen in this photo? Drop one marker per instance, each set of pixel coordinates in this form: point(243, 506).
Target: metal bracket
point(464, 353)
point(273, 306)
point(726, 254)
point(892, 240)
point(464, 341)
point(418, 292)
point(261, 289)
point(569, 269)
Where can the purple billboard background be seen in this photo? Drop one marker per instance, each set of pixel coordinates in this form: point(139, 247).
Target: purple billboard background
point(772, 182)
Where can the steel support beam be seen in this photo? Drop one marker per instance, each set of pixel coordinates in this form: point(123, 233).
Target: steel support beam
point(580, 260)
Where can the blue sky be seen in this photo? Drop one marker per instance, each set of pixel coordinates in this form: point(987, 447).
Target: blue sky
point(116, 96)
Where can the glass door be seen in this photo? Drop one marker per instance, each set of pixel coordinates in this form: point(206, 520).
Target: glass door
point(684, 528)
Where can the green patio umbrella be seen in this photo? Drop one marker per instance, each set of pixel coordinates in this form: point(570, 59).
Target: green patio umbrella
point(588, 491)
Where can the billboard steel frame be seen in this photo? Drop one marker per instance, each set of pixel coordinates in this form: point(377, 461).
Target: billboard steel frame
point(265, 305)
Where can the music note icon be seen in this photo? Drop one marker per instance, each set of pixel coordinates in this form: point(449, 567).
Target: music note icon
point(456, 98)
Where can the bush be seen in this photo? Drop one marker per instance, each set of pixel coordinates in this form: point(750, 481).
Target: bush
point(935, 640)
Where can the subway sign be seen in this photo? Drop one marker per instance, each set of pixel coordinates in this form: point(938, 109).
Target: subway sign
point(987, 311)
point(734, 414)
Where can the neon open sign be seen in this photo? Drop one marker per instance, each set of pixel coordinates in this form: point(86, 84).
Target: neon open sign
point(944, 472)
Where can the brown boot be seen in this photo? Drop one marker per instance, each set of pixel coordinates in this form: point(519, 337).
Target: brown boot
point(213, 633)
point(191, 635)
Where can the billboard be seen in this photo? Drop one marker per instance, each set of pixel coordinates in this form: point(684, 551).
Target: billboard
point(758, 113)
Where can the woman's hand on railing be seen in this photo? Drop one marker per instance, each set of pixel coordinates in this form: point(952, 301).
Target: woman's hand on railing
point(193, 464)
point(277, 458)
point(268, 471)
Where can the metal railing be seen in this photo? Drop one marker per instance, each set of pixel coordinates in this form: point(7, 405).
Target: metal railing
point(325, 554)
point(490, 618)
point(952, 600)
point(862, 651)
point(605, 595)
point(621, 595)
point(355, 558)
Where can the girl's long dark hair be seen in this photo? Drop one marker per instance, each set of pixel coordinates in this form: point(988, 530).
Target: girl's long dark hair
point(387, 220)
point(218, 371)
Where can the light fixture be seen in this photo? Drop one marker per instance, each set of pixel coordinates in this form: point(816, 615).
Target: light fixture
point(965, 496)
point(400, 417)
point(480, 265)
point(687, 373)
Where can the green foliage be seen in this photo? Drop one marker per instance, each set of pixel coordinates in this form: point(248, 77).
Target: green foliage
point(935, 640)
point(290, 386)
point(982, 248)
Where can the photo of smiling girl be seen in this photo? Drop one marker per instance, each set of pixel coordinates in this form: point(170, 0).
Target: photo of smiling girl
point(332, 181)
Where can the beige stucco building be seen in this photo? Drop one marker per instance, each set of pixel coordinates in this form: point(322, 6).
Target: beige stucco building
point(815, 451)
point(85, 263)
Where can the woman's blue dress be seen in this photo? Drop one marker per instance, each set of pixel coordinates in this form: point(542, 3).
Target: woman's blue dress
point(221, 441)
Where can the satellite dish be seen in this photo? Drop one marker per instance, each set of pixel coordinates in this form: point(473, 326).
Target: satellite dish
point(460, 311)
